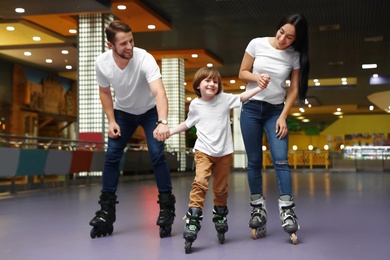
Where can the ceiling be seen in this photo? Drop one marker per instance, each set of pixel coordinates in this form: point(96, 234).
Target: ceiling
point(343, 35)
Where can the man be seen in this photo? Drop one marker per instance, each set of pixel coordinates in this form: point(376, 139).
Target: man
point(140, 99)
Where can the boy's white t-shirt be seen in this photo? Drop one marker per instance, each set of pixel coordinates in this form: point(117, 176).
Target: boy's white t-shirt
point(131, 85)
point(277, 63)
point(212, 122)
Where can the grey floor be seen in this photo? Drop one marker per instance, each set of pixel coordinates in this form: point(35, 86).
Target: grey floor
point(342, 216)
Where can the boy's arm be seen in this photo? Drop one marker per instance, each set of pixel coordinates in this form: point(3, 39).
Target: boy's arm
point(178, 129)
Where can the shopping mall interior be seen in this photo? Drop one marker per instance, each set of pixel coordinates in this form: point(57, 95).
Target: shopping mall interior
point(52, 130)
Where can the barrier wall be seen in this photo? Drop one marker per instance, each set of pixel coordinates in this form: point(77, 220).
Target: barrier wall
point(29, 162)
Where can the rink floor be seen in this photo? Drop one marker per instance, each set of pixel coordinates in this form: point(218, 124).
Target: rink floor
point(343, 215)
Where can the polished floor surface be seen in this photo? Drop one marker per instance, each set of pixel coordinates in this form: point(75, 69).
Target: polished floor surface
point(342, 216)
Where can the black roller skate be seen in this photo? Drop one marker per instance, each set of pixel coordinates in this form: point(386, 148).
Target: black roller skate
point(167, 213)
point(105, 217)
point(192, 227)
point(220, 222)
point(258, 219)
point(288, 217)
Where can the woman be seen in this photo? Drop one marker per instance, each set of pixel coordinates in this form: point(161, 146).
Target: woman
point(281, 57)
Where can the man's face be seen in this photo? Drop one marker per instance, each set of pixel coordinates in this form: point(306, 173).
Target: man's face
point(124, 44)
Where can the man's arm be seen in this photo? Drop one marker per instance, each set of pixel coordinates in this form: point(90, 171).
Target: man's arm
point(161, 133)
point(108, 107)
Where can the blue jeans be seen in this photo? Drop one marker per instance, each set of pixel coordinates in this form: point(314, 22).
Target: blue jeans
point(128, 123)
point(257, 116)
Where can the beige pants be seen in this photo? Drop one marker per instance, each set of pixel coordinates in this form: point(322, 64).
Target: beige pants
point(219, 168)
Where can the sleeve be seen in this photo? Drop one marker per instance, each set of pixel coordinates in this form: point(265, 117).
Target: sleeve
point(232, 100)
point(251, 48)
point(295, 61)
point(101, 80)
point(151, 68)
point(192, 117)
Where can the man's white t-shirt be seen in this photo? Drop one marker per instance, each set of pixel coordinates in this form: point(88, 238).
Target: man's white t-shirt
point(131, 85)
point(277, 63)
point(212, 122)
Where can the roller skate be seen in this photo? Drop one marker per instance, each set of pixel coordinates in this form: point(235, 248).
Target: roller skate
point(104, 218)
point(220, 222)
point(258, 219)
point(288, 217)
point(192, 227)
point(167, 213)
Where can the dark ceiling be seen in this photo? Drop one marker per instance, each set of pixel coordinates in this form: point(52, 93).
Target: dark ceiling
point(343, 35)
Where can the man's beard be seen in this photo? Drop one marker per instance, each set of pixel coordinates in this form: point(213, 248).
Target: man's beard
point(122, 55)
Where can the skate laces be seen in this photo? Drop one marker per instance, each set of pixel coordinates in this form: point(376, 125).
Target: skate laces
point(289, 217)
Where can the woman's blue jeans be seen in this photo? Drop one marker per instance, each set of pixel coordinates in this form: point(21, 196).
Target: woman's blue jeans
point(257, 116)
point(128, 123)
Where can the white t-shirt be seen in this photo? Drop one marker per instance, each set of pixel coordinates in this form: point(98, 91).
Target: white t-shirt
point(212, 122)
point(131, 85)
point(277, 63)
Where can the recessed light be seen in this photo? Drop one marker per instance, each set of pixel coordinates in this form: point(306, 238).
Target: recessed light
point(27, 53)
point(209, 65)
point(194, 55)
point(68, 67)
point(242, 87)
point(49, 60)
point(232, 81)
point(375, 75)
point(19, 10)
point(151, 27)
point(371, 108)
point(369, 66)
point(10, 28)
point(121, 7)
point(65, 52)
point(36, 38)
point(72, 31)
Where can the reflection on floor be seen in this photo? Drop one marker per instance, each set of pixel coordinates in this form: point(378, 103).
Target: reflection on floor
point(342, 216)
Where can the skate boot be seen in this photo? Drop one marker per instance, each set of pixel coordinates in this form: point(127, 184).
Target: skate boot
point(220, 222)
point(105, 217)
point(288, 217)
point(192, 227)
point(167, 213)
point(258, 219)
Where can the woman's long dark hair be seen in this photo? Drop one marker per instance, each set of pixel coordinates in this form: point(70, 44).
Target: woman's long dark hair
point(301, 45)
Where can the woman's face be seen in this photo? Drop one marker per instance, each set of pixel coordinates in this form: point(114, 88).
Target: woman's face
point(285, 36)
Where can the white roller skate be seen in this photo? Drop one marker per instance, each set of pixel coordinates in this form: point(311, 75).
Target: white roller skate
point(288, 217)
point(258, 219)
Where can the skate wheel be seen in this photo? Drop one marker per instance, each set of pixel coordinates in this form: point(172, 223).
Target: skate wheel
point(294, 238)
point(221, 237)
point(165, 231)
point(110, 230)
point(93, 233)
point(259, 232)
point(187, 247)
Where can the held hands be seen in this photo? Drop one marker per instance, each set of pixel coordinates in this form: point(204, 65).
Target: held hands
point(161, 133)
point(263, 80)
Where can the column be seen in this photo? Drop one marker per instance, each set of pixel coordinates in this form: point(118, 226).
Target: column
point(173, 78)
point(91, 43)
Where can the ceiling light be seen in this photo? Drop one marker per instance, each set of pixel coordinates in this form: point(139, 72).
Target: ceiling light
point(296, 114)
point(232, 81)
point(194, 55)
point(189, 98)
point(121, 7)
point(19, 10)
point(209, 65)
point(27, 53)
point(371, 108)
point(10, 28)
point(65, 52)
point(338, 109)
point(302, 109)
point(315, 80)
point(49, 60)
point(337, 113)
point(151, 27)
point(36, 38)
point(242, 87)
point(309, 105)
point(375, 75)
point(369, 66)
point(306, 120)
point(68, 67)
point(344, 83)
point(72, 31)
point(343, 79)
point(317, 84)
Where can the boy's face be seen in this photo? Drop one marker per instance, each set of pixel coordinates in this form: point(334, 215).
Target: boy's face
point(208, 88)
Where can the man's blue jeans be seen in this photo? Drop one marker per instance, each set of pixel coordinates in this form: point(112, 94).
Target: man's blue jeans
point(128, 123)
point(257, 116)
